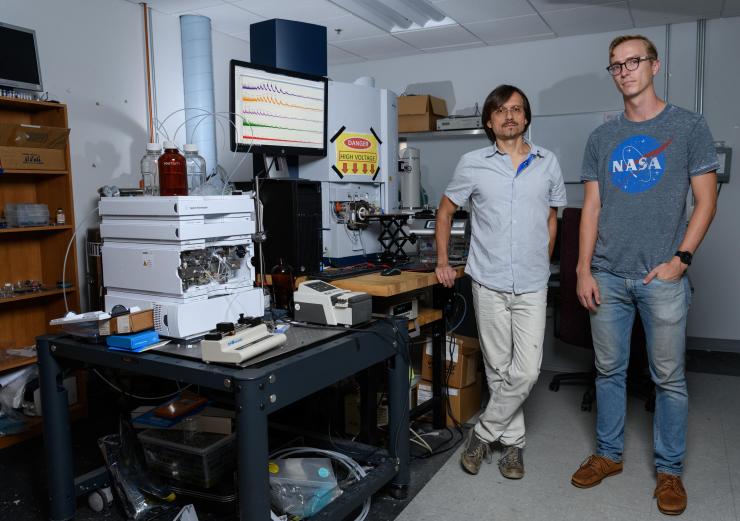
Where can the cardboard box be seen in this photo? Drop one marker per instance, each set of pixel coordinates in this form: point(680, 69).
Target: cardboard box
point(420, 113)
point(464, 403)
point(131, 323)
point(32, 147)
point(461, 358)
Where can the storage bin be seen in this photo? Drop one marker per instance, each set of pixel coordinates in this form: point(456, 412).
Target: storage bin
point(198, 458)
point(26, 214)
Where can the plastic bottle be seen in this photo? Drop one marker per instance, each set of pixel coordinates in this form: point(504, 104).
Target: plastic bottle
point(150, 169)
point(282, 286)
point(173, 179)
point(196, 167)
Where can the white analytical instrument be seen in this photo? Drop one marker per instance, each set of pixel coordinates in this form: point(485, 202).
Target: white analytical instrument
point(235, 343)
point(358, 174)
point(319, 302)
point(186, 257)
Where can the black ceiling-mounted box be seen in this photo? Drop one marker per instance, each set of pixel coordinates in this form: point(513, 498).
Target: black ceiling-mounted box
point(291, 45)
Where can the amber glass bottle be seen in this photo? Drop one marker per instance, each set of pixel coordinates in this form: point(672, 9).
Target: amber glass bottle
point(173, 179)
point(282, 286)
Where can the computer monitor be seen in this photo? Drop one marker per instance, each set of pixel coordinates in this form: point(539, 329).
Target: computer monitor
point(19, 62)
point(277, 112)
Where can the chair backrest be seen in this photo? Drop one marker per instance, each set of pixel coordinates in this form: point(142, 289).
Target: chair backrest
point(574, 325)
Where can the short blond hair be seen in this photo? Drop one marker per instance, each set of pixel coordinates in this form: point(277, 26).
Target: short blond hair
point(651, 50)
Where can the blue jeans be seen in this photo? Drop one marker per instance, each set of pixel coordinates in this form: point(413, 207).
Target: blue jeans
point(663, 306)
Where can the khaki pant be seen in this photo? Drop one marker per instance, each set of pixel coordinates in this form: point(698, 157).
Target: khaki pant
point(511, 329)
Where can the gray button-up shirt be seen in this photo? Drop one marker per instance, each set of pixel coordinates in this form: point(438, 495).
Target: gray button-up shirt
point(508, 211)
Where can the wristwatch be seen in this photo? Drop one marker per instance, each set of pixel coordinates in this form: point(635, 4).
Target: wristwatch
point(685, 256)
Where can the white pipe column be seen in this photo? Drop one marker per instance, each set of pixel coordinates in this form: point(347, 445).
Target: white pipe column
point(197, 75)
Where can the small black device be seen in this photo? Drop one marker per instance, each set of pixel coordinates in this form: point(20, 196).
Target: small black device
point(685, 256)
point(389, 272)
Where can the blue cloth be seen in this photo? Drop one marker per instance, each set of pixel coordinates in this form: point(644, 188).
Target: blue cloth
point(509, 210)
point(663, 307)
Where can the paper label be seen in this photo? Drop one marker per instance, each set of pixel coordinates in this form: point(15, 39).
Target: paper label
point(122, 324)
point(357, 154)
point(450, 348)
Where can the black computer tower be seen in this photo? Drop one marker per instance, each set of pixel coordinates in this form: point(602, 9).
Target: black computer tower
point(292, 222)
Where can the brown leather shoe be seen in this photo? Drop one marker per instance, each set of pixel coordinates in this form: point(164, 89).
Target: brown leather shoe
point(594, 470)
point(670, 494)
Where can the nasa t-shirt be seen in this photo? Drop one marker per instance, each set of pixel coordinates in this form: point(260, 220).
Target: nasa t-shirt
point(643, 169)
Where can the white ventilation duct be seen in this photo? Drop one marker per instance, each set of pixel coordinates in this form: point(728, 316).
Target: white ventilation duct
point(197, 75)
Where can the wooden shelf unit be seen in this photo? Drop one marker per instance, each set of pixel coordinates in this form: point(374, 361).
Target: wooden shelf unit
point(36, 253)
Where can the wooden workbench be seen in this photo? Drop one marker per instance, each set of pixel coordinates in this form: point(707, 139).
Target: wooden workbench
point(377, 285)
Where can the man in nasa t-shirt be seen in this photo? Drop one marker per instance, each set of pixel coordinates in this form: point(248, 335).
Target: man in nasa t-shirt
point(635, 247)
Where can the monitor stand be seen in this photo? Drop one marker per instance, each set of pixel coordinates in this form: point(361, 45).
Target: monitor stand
point(276, 166)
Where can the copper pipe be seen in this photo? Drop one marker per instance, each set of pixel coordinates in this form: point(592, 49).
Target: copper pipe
point(148, 73)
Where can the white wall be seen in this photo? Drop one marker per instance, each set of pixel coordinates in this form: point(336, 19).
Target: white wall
point(567, 75)
point(93, 59)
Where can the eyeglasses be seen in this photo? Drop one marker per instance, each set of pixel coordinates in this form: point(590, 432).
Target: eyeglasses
point(515, 110)
point(631, 64)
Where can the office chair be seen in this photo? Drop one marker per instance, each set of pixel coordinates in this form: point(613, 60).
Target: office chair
point(573, 325)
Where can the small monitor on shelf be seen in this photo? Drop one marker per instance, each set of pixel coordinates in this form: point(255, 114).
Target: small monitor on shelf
point(277, 112)
point(19, 59)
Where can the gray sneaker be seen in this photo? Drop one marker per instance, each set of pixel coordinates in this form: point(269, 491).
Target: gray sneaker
point(473, 453)
point(511, 463)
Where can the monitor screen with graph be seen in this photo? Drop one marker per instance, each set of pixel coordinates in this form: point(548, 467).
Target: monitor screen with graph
point(277, 112)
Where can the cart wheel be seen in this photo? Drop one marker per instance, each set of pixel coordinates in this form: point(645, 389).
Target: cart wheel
point(398, 491)
point(100, 500)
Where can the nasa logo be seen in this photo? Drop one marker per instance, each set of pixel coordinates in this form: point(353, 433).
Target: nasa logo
point(357, 143)
point(636, 164)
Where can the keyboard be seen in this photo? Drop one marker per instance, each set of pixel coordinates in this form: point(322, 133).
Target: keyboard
point(424, 267)
point(345, 272)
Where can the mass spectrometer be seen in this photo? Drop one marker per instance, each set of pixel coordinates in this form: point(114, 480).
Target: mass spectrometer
point(358, 175)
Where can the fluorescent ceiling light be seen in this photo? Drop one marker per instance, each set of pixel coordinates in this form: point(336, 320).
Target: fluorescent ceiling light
point(422, 10)
point(396, 15)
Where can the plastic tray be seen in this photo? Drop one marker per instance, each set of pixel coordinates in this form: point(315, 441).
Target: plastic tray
point(199, 458)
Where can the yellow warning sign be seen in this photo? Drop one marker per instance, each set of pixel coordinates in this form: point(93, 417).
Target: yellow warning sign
point(357, 154)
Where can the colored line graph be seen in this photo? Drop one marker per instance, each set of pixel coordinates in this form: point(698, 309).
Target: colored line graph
point(275, 101)
point(252, 124)
point(270, 115)
point(279, 110)
point(248, 138)
point(270, 87)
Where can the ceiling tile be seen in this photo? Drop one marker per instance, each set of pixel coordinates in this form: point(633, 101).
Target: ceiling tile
point(522, 39)
point(659, 12)
point(377, 47)
point(509, 28)
point(179, 6)
point(229, 19)
point(731, 8)
point(463, 11)
point(310, 11)
point(592, 19)
point(349, 28)
point(445, 48)
point(242, 36)
point(437, 37)
point(544, 6)
point(336, 56)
